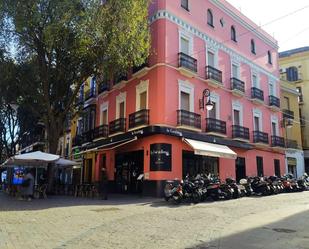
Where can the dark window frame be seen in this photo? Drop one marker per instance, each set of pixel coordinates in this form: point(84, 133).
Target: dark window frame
point(185, 4)
point(269, 58)
point(233, 33)
point(277, 168)
point(210, 18)
point(253, 48)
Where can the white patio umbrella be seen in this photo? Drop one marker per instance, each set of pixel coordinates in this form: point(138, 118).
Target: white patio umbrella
point(61, 162)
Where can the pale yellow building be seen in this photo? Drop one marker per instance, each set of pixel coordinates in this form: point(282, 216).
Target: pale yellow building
point(294, 68)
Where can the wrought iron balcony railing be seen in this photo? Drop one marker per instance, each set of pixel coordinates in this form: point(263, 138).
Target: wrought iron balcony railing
point(288, 114)
point(277, 141)
point(257, 93)
point(118, 125)
point(274, 101)
point(190, 119)
point(240, 132)
point(77, 140)
point(291, 144)
point(213, 74)
point(260, 137)
point(139, 118)
point(187, 61)
point(237, 84)
point(215, 125)
point(88, 136)
point(90, 93)
point(101, 131)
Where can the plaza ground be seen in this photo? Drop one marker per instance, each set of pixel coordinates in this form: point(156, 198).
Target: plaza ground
point(271, 222)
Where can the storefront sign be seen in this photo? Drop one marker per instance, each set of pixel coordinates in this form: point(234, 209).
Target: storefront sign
point(76, 154)
point(160, 157)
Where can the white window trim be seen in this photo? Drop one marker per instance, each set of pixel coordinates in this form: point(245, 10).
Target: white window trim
point(258, 113)
point(274, 87)
point(257, 79)
point(237, 64)
point(103, 107)
point(119, 99)
point(189, 37)
point(213, 50)
point(143, 86)
point(187, 87)
point(274, 119)
point(216, 99)
point(236, 105)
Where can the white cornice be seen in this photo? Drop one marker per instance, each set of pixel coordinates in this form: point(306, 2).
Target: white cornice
point(244, 23)
point(164, 14)
point(289, 90)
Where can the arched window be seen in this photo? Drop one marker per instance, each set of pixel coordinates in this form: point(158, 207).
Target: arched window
point(233, 34)
point(269, 57)
point(210, 18)
point(253, 47)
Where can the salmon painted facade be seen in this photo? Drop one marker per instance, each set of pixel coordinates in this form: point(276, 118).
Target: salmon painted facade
point(153, 125)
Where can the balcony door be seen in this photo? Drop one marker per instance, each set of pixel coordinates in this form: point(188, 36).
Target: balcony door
point(274, 128)
point(235, 71)
point(236, 114)
point(272, 89)
point(255, 82)
point(213, 112)
point(286, 103)
point(256, 123)
point(143, 101)
point(185, 45)
point(104, 117)
point(185, 101)
point(211, 59)
point(121, 110)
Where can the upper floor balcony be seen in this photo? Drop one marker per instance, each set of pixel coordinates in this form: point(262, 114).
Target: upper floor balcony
point(215, 127)
point(187, 65)
point(237, 87)
point(274, 102)
point(89, 94)
point(186, 119)
point(260, 137)
point(277, 141)
point(213, 76)
point(139, 118)
point(77, 140)
point(257, 95)
point(288, 114)
point(101, 131)
point(240, 133)
point(291, 144)
point(117, 126)
point(88, 136)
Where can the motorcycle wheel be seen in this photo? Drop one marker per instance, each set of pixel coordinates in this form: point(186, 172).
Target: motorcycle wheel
point(166, 198)
point(177, 199)
point(228, 195)
point(196, 197)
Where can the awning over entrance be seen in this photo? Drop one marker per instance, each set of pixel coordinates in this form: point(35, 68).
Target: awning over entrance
point(209, 149)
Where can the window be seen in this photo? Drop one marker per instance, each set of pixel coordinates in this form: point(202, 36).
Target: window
point(256, 123)
point(185, 4)
point(235, 71)
point(277, 167)
point(236, 114)
point(185, 101)
point(286, 103)
point(104, 117)
point(121, 105)
point(142, 95)
point(143, 100)
point(269, 57)
point(233, 34)
point(210, 19)
point(184, 45)
point(213, 111)
point(300, 97)
point(259, 165)
point(254, 81)
point(272, 91)
point(253, 47)
point(292, 74)
point(210, 58)
point(274, 128)
point(121, 110)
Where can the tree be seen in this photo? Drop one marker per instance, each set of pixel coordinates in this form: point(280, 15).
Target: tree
point(66, 41)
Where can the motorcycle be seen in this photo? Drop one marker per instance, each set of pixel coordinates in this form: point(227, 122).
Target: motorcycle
point(247, 186)
point(236, 192)
point(259, 186)
point(173, 191)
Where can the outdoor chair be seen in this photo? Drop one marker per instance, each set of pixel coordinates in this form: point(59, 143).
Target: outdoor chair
point(40, 191)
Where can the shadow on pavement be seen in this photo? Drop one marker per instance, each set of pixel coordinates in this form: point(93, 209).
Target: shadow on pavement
point(288, 233)
point(9, 203)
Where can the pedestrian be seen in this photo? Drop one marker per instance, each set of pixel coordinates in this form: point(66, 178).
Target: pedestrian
point(27, 185)
point(104, 183)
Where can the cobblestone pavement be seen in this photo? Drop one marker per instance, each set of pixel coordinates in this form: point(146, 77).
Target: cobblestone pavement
point(271, 222)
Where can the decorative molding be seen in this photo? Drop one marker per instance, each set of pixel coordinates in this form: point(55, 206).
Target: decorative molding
point(164, 14)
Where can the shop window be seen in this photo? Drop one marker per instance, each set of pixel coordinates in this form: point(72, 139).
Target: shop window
point(277, 167)
point(259, 164)
point(233, 34)
point(210, 19)
point(253, 47)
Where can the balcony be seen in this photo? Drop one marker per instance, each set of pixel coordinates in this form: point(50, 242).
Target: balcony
point(291, 144)
point(274, 103)
point(277, 141)
point(187, 65)
point(88, 136)
point(288, 114)
point(101, 131)
point(213, 76)
point(260, 137)
point(89, 94)
point(103, 87)
point(215, 127)
point(190, 120)
point(117, 126)
point(141, 70)
point(238, 87)
point(138, 119)
point(257, 95)
point(77, 140)
point(240, 133)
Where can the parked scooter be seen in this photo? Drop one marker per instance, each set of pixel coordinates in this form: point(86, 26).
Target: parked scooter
point(236, 192)
point(247, 186)
point(259, 186)
point(173, 191)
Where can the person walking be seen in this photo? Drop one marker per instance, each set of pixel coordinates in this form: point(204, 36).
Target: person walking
point(27, 186)
point(104, 183)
